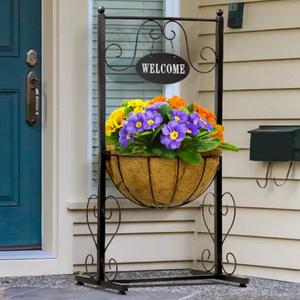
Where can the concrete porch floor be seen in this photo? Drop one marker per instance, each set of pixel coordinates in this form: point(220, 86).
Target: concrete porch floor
point(64, 287)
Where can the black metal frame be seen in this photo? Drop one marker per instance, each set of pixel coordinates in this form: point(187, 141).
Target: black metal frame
point(100, 278)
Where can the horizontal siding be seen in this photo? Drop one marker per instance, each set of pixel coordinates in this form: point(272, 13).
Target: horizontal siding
point(146, 239)
point(257, 223)
point(261, 87)
point(238, 165)
point(265, 75)
point(140, 248)
point(141, 214)
point(251, 46)
point(255, 251)
point(142, 228)
point(258, 16)
point(256, 105)
point(248, 195)
point(203, 3)
point(282, 274)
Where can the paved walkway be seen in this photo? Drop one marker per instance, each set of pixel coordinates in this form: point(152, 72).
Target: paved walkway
point(63, 287)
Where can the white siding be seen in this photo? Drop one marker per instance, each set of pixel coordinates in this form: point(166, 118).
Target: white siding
point(261, 87)
point(147, 239)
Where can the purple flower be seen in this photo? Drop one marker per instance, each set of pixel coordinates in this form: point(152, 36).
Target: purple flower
point(125, 137)
point(200, 122)
point(192, 129)
point(156, 106)
point(179, 116)
point(151, 120)
point(135, 123)
point(172, 135)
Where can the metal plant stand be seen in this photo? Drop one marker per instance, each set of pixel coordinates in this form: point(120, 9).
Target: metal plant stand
point(217, 270)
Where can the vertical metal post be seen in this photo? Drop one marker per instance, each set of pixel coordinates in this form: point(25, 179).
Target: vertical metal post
point(101, 145)
point(219, 113)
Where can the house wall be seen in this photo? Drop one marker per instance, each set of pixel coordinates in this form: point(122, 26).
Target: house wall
point(261, 87)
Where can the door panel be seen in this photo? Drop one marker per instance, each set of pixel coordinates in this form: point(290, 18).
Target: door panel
point(9, 33)
point(20, 144)
point(9, 141)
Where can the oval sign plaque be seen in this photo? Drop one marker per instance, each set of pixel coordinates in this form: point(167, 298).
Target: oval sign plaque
point(162, 68)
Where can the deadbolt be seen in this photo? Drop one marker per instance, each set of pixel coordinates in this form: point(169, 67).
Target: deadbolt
point(31, 58)
point(32, 98)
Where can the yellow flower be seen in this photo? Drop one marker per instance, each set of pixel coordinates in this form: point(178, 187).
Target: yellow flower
point(137, 103)
point(118, 113)
point(117, 121)
point(138, 109)
point(109, 128)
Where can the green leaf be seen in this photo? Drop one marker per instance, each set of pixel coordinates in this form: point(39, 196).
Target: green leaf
point(185, 142)
point(229, 147)
point(190, 156)
point(131, 149)
point(214, 131)
point(128, 110)
point(164, 110)
point(142, 133)
point(191, 108)
point(209, 144)
point(204, 133)
point(157, 131)
point(163, 152)
point(125, 103)
point(113, 139)
point(118, 146)
point(185, 110)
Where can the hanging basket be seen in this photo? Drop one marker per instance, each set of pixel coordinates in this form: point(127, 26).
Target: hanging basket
point(156, 182)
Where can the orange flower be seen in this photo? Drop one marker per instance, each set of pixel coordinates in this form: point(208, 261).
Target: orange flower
point(219, 134)
point(204, 113)
point(158, 99)
point(176, 102)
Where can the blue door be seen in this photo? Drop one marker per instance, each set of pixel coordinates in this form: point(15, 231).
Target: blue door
point(20, 141)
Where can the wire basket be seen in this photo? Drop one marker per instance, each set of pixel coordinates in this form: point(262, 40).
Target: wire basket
point(155, 182)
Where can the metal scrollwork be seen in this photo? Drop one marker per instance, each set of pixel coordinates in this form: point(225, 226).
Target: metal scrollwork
point(152, 39)
point(112, 261)
point(89, 260)
point(209, 231)
point(110, 216)
point(208, 257)
point(229, 255)
point(90, 256)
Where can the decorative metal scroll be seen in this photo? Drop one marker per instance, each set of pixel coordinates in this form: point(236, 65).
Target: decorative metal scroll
point(206, 253)
point(154, 38)
point(89, 260)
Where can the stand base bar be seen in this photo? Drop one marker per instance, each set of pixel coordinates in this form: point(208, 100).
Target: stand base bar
point(122, 284)
point(86, 279)
point(224, 277)
point(105, 284)
point(161, 279)
point(234, 279)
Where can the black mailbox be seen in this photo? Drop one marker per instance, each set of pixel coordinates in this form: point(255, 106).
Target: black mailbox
point(275, 143)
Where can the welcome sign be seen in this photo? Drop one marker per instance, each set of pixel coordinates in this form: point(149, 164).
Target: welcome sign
point(162, 68)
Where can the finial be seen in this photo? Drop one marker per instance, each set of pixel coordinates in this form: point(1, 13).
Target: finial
point(101, 10)
point(219, 12)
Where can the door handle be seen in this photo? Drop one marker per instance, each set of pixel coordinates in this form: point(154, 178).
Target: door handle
point(32, 98)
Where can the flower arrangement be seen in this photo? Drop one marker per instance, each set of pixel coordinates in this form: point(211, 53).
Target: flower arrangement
point(164, 127)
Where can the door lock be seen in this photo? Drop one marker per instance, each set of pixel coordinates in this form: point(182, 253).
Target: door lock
point(31, 58)
point(32, 98)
